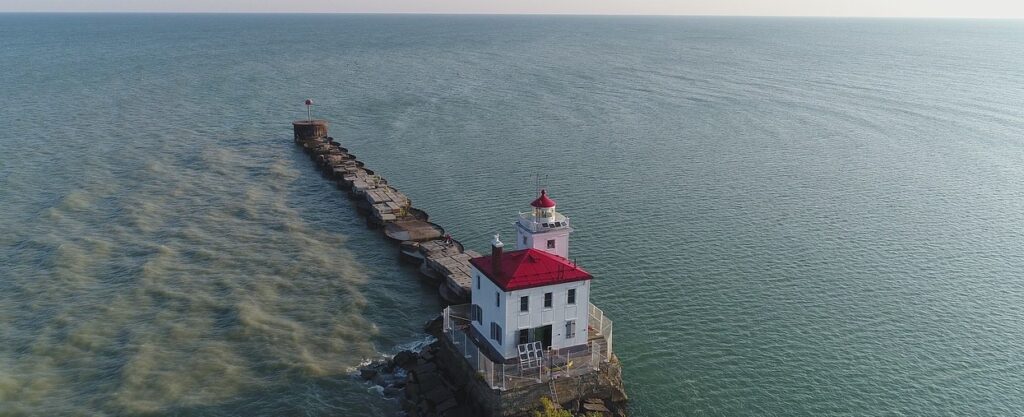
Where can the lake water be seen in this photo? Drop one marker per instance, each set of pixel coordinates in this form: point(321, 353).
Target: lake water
point(793, 217)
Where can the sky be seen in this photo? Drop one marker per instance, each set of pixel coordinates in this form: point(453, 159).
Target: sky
point(867, 8)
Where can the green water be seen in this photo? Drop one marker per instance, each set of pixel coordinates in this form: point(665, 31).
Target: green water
point(784, 216)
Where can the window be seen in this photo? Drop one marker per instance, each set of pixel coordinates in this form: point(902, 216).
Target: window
point(497, 299)
point(524, 240)
point(551, 244)
point(496, 332)
point(524, 303)
point(570, 329)
point(547, 300)
point(477, 314)
point(524, 336)
point(571, 299)
point(478, 282)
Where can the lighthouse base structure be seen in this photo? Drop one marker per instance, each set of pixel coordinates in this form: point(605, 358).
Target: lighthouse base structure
point(599, 389)
point(454, 377)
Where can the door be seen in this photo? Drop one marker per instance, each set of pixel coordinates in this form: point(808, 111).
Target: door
point(543, 335)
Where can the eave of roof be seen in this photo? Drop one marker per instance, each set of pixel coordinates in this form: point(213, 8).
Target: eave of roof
point(530, 268)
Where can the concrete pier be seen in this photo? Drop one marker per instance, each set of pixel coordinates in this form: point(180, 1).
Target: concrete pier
point(387, 208)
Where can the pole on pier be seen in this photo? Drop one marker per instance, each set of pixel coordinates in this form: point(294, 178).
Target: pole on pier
point(309, 113)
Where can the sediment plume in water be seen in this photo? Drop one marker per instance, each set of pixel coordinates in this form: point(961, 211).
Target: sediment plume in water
point(176, 287)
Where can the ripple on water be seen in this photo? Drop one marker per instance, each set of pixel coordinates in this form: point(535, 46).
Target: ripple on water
point(777, 228)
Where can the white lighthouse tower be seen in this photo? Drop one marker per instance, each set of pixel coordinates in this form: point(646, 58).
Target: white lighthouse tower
point(543, 228)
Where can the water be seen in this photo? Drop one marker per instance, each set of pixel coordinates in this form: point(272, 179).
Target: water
point(785, 216)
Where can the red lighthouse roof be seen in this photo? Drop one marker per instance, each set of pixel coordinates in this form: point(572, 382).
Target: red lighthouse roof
point(543, 201)
point(529, 268)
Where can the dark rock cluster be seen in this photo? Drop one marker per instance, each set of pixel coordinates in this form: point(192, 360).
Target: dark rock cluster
point(415, 377)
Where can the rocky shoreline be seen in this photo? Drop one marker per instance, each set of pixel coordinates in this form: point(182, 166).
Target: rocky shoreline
point(420, 381)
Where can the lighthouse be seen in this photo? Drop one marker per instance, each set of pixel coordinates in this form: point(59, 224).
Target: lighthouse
point(543, 228)
point(532, 297)
point(530, 320)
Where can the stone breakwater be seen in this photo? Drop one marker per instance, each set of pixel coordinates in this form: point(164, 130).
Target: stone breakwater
point(442, 259)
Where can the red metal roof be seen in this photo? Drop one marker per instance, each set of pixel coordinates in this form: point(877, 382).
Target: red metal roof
point(543, 201)
point(530, 268)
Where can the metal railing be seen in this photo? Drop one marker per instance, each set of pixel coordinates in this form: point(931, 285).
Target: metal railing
point(603, 326)
point(535, 226)
point(505, 376)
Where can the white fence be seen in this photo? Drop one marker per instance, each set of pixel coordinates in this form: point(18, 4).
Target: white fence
point(554, 365)
point(603, 326)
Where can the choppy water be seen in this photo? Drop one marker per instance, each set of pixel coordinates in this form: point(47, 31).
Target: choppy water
point(785, 216)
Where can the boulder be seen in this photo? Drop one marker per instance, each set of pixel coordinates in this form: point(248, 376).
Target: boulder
point(412, 391)
point(405, 359)
point(595, 407)
point(428, 379)
point(434, 327)
point(459, 411)
point(367, 373)
point(446, 405)
point(439, 395)
point(426, 368)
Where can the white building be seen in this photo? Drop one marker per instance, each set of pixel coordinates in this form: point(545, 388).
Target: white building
point(534, 293)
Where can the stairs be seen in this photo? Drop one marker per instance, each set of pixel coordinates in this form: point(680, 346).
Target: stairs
point(554, 395)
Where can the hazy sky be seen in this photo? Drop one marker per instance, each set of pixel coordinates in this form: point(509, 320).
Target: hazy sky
point(898, 8)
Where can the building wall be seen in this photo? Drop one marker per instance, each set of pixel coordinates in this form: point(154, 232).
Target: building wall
point(512, 320)
point(539, 240)
point(482, 294)
point(559, 312)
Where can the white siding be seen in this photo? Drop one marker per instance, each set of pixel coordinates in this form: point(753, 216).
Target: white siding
point(539, 241)
point(511, 319)
point(484, 297)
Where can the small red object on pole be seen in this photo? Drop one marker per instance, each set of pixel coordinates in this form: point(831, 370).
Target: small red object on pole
point(309, 104)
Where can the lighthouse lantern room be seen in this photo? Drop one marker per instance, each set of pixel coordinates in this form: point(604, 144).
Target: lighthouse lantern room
point(543, 228)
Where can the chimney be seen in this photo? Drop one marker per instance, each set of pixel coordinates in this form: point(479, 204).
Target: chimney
point(496, 249)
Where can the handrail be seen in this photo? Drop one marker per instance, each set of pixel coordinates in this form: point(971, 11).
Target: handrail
point(504, 376)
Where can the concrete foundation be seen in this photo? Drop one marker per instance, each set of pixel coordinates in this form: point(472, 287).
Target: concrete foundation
point(604, 385)
point(309, 129)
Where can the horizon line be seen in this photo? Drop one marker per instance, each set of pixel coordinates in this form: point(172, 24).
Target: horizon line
point(169, 12)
